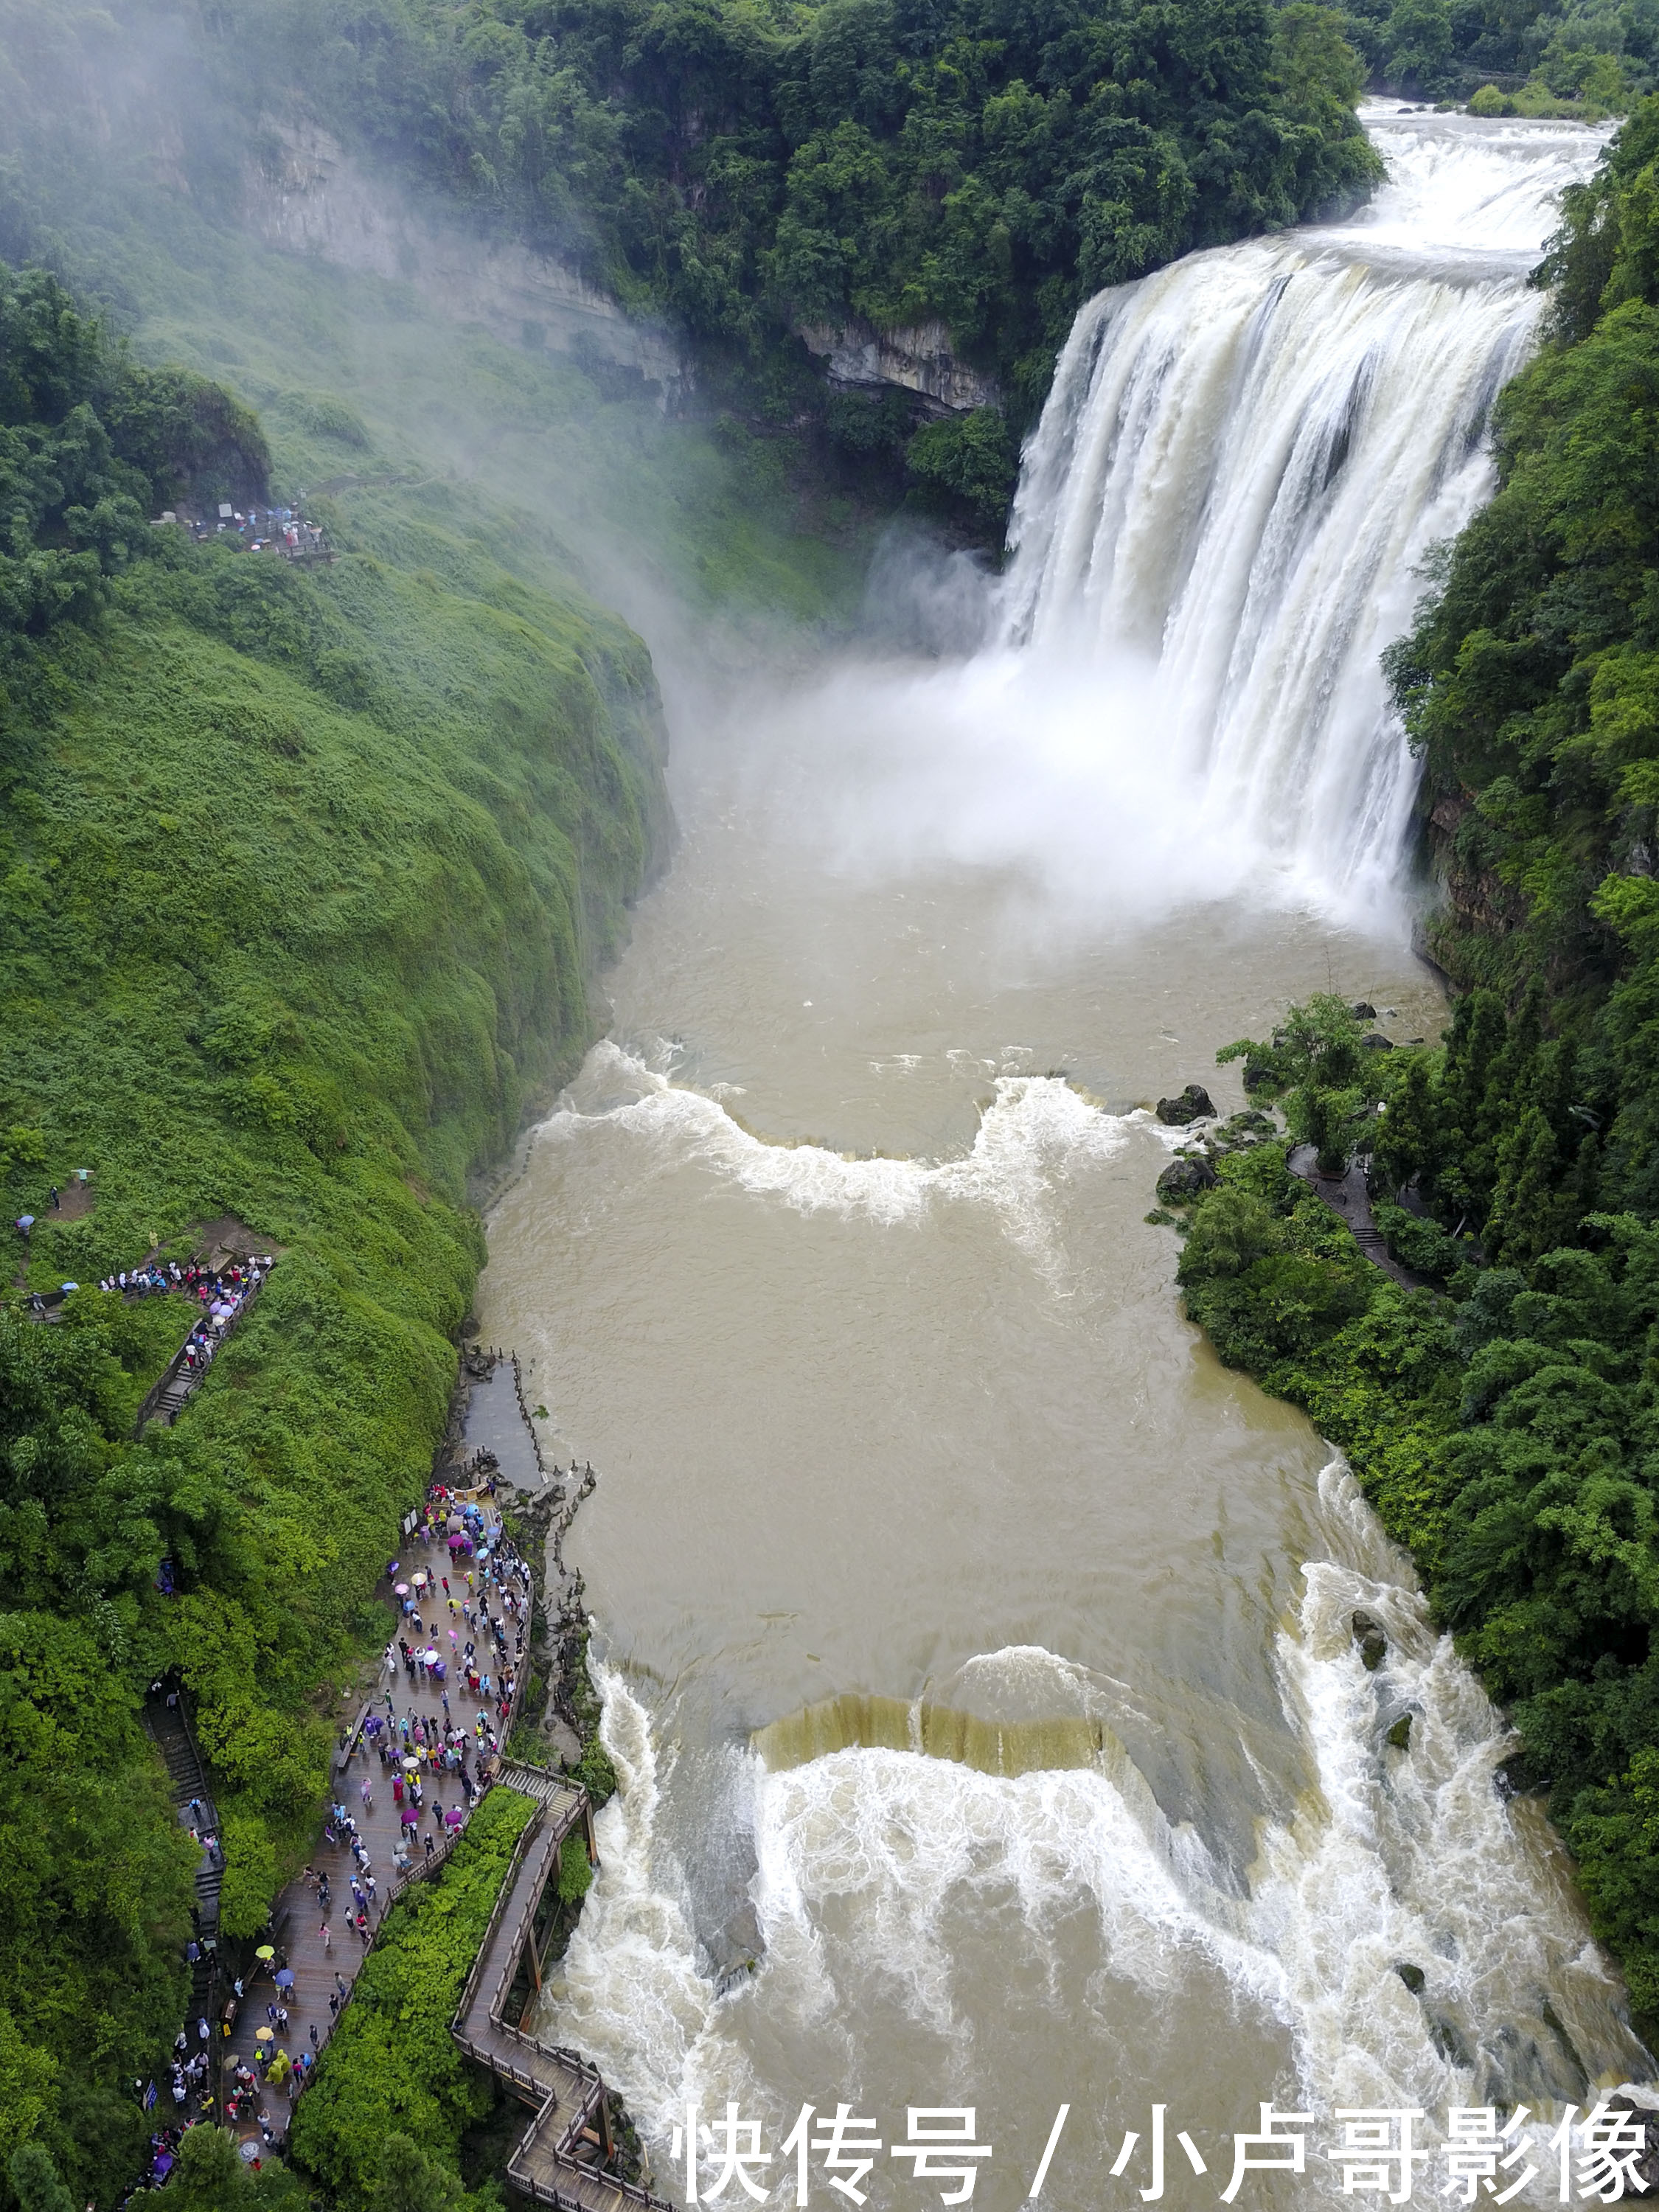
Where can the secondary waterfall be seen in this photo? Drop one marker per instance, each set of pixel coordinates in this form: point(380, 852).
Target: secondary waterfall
point(1244, 459)
point(978, 1654)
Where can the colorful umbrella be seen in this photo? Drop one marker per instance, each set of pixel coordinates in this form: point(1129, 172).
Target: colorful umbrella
point(431, 1657)
point(264, 1951)
point(420, 1582)
point(262, 2035)
point(402, 1588)
point(285, 1979)
point(409, 1766)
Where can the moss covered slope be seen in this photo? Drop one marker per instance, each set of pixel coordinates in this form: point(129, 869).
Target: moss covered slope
point(304, 877)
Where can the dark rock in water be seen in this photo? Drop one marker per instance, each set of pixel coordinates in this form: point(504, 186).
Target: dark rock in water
point(1449, 2039)
point(1363, 1626)
point(1194, 1105)
point(1400, 1736)
point(1185, 1179)
point(1251, 1123)
point(1648, 2164)
point(1413, 1977)
point(1363, 1010)
point(1374, 1041)
point(1373, 1644)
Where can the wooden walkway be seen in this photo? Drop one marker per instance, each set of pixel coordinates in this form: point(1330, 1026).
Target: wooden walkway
point(559, 2155)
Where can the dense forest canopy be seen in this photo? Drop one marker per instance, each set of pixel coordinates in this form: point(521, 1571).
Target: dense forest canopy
point(748, 168)
point(91, 447)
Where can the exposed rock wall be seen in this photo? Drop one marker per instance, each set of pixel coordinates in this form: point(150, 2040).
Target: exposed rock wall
point(918, 359)
point(313, 197)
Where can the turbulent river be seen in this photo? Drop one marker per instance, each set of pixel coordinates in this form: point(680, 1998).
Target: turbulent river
point(976, 1650)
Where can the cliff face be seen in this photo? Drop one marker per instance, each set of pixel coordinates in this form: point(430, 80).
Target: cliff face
point(857, 357)
point(311, 197)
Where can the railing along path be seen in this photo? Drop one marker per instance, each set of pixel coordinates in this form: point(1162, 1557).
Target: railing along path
point(558, 2158)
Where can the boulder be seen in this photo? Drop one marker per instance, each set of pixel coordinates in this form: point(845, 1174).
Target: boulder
point(1185, 1179)
point(1194, 1104)
point(1400, 1736)
point(1373, 1644)
point(1646, 2165)
point(1413, 1977)
point(1376, 1041)
point(1363, 1010)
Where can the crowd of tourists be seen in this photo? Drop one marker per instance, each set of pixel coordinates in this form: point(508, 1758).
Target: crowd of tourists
point(257, 530)
point(464, 1599)
point(210, 1286)
point(461, 1632)
point(220, 1293)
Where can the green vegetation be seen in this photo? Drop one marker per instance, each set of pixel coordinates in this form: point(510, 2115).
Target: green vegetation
point(90, 446)
point(210, 2176)
point(1506, 1424)
point(1537, 58)
point(302, 876)
point(749, 168)
point(1503, 1431)
point(733, 173)
point(549, 464)
point(391, 2070)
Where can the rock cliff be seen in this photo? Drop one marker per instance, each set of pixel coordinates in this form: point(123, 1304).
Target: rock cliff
point(306, 194)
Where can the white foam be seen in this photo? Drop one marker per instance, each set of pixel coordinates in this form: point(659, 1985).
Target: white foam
point(628, 1989)
point(868, 1860)
point(1034, 1137)
point(1242, 464)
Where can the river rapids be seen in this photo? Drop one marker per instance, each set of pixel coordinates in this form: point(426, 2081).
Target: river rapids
point(977, 1654)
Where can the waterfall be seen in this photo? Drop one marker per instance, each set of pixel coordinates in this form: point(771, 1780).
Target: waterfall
point(1245, 460)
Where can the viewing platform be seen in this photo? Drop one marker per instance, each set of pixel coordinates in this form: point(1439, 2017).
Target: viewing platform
point(559, 2158)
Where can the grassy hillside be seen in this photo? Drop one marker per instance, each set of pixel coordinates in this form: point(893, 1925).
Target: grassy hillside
point(303, 880)
point(136, 195)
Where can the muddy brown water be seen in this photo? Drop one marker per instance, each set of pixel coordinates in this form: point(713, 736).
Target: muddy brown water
point(977, 1650)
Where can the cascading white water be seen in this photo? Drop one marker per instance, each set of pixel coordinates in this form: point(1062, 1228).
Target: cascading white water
point(980, 1666)
point(1244, 459)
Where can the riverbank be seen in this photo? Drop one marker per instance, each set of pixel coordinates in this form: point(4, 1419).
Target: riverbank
point(1481, 1418)
point(310, 873)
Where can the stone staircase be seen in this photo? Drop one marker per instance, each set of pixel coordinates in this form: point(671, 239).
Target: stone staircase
point(170, 1732)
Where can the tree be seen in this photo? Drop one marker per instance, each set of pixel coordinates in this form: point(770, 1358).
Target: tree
point(1406, 1131)
point(410, 2181)
point(36, 2183)
point(1419, 39)
point(210, 2173)
point(1317, 1061)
